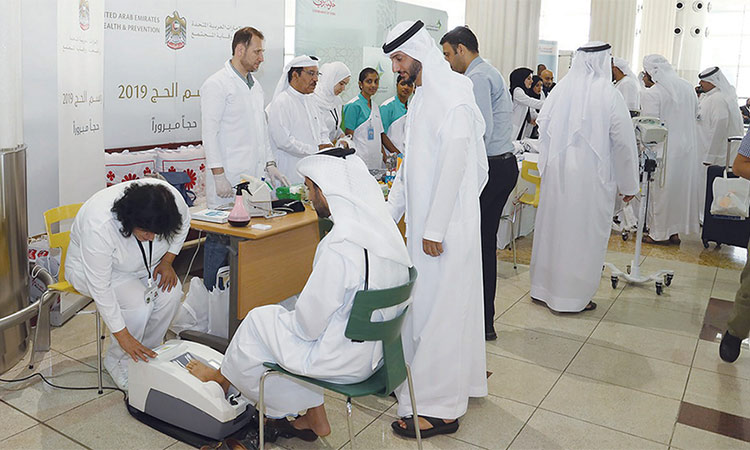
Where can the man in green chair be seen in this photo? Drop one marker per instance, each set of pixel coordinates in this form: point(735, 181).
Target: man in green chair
point(363, 250)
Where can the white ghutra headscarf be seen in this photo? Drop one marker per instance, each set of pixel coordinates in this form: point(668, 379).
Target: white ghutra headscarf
point(299, 61)
point(662, 72)
point(715, 76)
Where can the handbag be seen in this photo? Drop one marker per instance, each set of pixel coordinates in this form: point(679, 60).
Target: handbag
point(179, 180)
point(731, 195)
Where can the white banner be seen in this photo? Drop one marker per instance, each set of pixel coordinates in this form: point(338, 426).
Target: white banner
point(80, 66)
point(160, 53)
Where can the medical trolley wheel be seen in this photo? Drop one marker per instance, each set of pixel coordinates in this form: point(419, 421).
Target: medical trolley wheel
point(627, 269)
point(705, 244)
point(625, 235)
point(668, 279)
point(614, 281)
point(659, 288)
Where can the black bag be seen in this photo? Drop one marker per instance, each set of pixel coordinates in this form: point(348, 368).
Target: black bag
point(179, 180)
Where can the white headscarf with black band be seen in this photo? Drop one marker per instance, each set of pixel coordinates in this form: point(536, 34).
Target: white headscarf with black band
point(356, 203)
point(441, 86)
point(715, 76)
point(299, 61)
point(578, 105)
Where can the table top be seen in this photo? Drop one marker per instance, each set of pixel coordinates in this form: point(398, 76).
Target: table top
point(278, 225)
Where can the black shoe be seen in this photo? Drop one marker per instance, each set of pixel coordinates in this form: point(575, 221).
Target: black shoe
point(729, 350)
point(490, 334)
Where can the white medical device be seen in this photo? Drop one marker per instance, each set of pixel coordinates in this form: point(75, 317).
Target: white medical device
point(649, 132)
point(163, 388)
point(257, 198)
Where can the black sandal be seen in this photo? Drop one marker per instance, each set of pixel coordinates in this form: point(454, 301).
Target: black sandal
point(285, 429)
point(590, 307)
point(439, 426)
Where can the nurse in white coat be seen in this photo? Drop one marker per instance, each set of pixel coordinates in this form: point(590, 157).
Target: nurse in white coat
point(235, 136)
point(437, 188)
point(294, 119)
point(587, 151)
point(334, 77)
point(674, 207)
point(310, 340)
point(122, 244)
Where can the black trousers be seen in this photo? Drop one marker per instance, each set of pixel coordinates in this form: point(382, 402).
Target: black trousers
point(503, 174)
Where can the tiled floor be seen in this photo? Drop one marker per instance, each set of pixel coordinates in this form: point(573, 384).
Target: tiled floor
point(616, 377)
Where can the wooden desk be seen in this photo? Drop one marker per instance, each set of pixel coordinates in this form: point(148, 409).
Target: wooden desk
point(267, 266)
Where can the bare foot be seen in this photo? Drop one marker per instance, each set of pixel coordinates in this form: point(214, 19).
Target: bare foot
point(423, 423)
point(206, 373)
point(315, 419)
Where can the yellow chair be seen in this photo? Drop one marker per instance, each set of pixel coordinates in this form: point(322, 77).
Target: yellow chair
point(61, 240)
point(526, 199)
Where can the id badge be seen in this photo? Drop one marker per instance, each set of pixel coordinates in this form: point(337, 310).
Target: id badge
point(151, 294)
point(370, 134)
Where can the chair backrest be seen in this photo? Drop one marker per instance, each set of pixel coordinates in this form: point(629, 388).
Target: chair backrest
point(360, 328)
point(526, 168)
point(61, 239)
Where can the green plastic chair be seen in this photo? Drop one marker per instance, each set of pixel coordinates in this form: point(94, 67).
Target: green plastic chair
point(360, 328)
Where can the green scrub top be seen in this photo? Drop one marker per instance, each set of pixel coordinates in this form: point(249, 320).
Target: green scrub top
point(356, 113)
point(390, 111)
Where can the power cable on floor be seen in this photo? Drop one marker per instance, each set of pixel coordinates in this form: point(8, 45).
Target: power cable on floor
point(70, 388)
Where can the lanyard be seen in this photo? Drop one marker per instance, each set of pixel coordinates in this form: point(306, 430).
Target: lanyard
point(335, 115)
point(147, 264)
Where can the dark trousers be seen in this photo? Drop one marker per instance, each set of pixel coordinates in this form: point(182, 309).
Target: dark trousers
point(503, 175)
point(215, 256)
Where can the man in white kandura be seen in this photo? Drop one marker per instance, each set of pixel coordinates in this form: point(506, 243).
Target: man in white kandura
point(627, 83)
point(122, 244)
point(294, 122)
point(438, 186)
point(235, 136)
point(673, 207)
point(719, 119)
point(587, 151)
point(310, 340)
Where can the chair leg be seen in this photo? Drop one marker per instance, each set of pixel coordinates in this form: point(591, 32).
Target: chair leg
point(98, 350)
point(414, 407)
point(349, 422)
point(513, 241)
point(41, 342)
point(262, 409)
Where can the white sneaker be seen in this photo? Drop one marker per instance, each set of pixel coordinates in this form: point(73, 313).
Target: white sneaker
point(118, 372)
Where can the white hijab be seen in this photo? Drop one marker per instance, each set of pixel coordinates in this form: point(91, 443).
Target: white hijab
point(662, 72)
point(299, 61)
point(357, 206)
point(577, 112)
point(330, 75)
point(624, 67)
point(442, 88)
point(727, 91)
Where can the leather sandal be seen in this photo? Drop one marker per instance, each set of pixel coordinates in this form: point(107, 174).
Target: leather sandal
point(439, 426)
point(285, 429)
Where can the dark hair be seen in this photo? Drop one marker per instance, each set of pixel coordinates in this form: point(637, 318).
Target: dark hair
point(517, 78)
point(367, 71)
point(461, 35)
point(408, 81)
point(244, 36)
point(150, 207)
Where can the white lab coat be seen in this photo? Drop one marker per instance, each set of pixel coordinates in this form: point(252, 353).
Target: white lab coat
point(521, 104)
point(234, 130)
point(310, 340)
point(674, 207)
point(294, 127)
point(370, 150)
point(330, 124)
point(438, 188)
point(109, 268)
point(574, 218)
point(630, 90)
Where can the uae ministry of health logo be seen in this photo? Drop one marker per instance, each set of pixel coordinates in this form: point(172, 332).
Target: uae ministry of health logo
point(83, 14)
point(175, 31)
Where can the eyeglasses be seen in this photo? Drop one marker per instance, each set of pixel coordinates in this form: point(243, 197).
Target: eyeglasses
point(312, 73)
